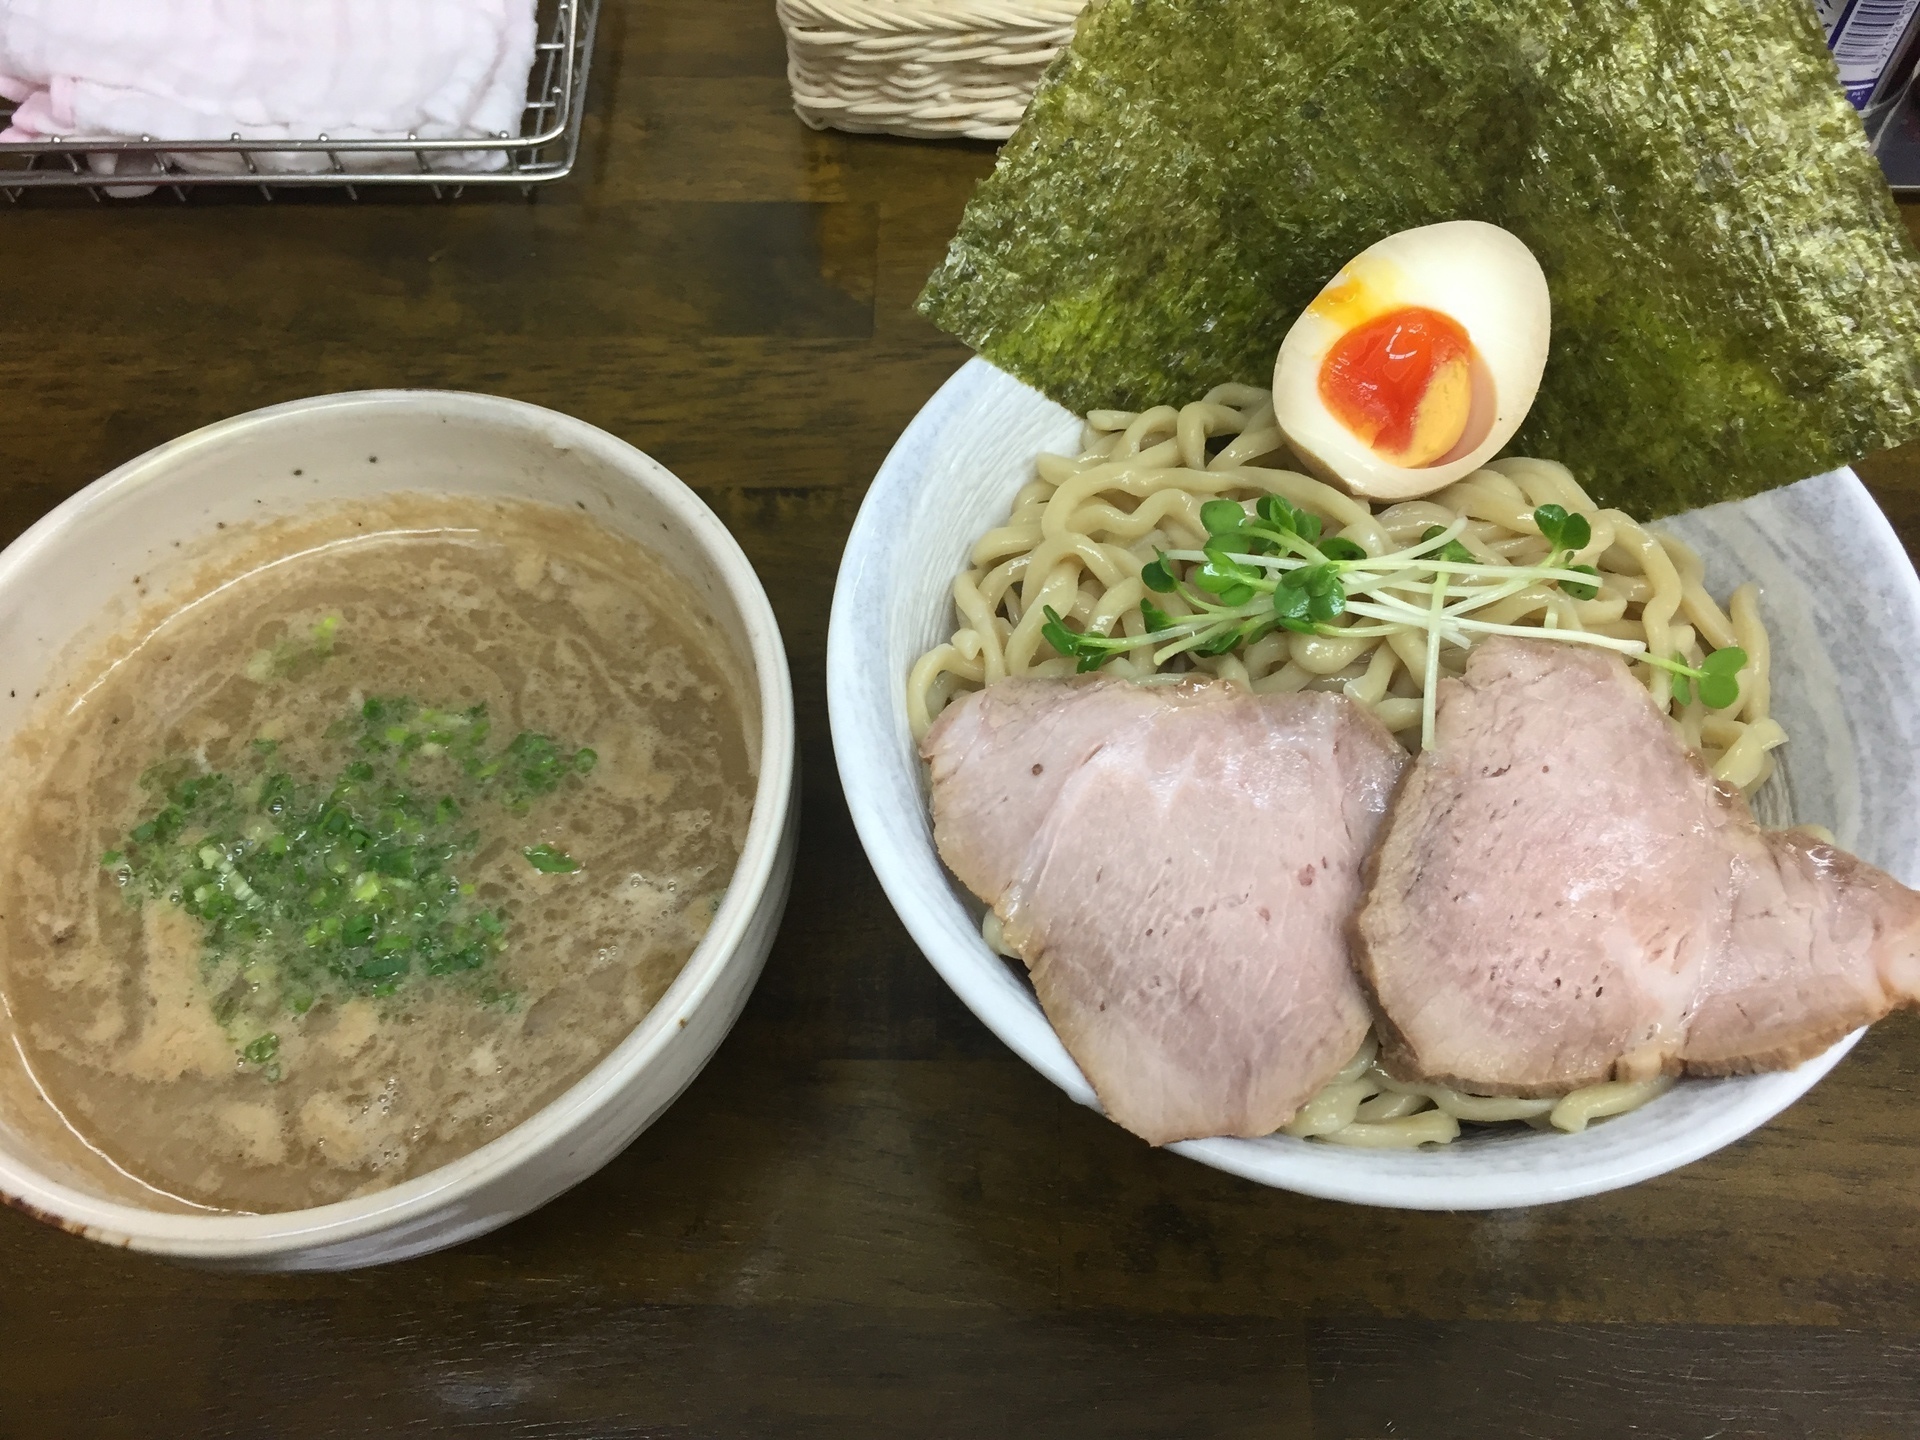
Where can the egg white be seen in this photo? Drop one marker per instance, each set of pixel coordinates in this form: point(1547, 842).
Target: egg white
point(1481, 276)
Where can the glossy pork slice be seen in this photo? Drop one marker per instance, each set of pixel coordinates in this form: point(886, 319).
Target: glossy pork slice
point(1545, 899)
point(1819, 944)
point(1176, 866)
point(1562, 896)
point(998, 759)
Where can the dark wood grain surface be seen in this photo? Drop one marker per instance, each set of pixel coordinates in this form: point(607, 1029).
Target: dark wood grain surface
point(866, 1218)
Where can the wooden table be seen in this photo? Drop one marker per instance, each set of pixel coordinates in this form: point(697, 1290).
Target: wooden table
point(866, 1218)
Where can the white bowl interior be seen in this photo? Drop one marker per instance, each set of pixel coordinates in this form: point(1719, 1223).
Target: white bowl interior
point(1841, 602)
point(75, 577)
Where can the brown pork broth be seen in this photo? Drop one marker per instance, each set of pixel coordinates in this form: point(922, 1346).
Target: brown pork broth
point(242, 1072)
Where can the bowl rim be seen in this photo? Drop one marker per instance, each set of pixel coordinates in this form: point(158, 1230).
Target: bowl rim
point(1327, 1172)
point(234, 1236)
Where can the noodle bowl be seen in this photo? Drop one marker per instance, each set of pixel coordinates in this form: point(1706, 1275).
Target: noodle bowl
point(1083, 529)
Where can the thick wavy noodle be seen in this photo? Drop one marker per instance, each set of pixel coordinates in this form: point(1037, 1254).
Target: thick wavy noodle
point(1082, 529)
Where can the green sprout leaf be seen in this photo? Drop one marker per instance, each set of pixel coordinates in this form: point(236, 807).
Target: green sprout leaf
point(1221, 642)
point(1682, 684)
point(1224, 577)
point(1156, 618)
point(1720, 677)
point(1091, 651)
point(1246, 542)
point(1055, 632)
point(1562, 530)
point(1308, 598)
point(1717, 692)
point(1581, 591)
point(1276, 512)
point(1222, 517)
point(1453, 551)
point(1157, 575)
point(1234, 594)
point(1340, 548)
point(1290, 601)
point(1314, 579)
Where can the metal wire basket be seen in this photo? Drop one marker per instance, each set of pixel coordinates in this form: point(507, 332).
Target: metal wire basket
point(543, 151)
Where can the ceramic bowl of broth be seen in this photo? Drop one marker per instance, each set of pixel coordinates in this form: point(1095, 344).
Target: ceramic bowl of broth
point(400, 786)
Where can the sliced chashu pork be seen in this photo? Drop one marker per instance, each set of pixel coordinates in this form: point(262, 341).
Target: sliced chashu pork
point(1176, 865)
point(1562, 895)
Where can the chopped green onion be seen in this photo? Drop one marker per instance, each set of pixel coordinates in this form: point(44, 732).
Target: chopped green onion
point(260, 1051)
point(312, 892)
point(550, 861)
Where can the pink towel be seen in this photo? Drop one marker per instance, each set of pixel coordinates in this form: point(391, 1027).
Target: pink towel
point(267, 70)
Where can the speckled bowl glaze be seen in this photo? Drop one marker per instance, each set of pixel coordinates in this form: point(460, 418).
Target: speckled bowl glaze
point(68, 578)
point(1844, 688)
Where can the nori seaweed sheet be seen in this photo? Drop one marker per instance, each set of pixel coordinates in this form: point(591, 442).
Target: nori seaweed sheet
point(1736, 302)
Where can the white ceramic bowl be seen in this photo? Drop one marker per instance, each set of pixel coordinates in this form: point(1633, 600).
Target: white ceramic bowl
point(72, 573)
point(1841, 601)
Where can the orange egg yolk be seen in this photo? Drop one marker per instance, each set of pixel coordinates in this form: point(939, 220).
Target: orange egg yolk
point(1402, 382)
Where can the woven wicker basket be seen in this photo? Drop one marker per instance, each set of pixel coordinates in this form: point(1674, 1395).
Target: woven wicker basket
point(934, 68)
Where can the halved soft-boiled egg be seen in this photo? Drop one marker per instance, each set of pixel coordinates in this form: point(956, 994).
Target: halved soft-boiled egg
point(1417, 362)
